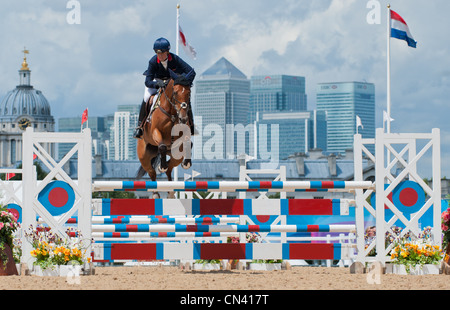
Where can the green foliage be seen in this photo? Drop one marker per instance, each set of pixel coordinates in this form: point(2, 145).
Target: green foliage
point(41, 174)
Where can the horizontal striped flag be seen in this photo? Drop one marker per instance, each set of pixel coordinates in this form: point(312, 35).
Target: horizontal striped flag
point(400, 30)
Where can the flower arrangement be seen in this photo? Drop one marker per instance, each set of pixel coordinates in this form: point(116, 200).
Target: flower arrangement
point(8, 227)
point(445, 225)
point(416, 252)
point(51, 250)
point(250, 237)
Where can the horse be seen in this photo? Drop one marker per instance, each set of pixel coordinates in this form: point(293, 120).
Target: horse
point(162, 130)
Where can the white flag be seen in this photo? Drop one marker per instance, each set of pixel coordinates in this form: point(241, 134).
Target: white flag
point(358, 122)
point(187, 48)
point(386, 117)
point(195, 173)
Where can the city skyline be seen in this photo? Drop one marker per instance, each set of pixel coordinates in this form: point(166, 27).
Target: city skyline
point(99, 63)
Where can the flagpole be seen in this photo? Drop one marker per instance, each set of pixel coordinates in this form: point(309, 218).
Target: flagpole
point(388, 121)
point(175, 169)
point(178, 29)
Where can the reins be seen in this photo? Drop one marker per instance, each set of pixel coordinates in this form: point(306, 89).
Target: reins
point(173, 117)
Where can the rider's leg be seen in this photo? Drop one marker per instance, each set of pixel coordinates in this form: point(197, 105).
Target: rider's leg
point(138, 132)
point(143, 112)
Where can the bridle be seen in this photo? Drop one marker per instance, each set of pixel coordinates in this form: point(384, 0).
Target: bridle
point(174, 101)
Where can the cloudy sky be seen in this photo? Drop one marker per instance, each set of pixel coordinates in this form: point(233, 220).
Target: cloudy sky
point(99, 63)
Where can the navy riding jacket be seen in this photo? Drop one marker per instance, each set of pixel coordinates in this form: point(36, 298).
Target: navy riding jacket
point(157, 71)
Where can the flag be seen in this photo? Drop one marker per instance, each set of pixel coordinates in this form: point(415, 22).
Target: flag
point(10, 176)
point(195, 174)
point(358, 122)
point(400, 30)
point(386, 117)
point(187, 48)
point(84, 117)
point(34, 156)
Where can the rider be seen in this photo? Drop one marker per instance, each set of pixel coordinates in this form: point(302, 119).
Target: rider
point(158, 68)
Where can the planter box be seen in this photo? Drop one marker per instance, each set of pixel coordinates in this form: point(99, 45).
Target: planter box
point(266, 267)
point(8, 269)
point(418, 270)
point(57, 271)
point(206, 266)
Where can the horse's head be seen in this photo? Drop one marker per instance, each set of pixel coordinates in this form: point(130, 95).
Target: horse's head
point(182, 94)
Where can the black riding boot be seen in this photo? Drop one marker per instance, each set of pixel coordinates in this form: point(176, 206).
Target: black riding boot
point(142, 113)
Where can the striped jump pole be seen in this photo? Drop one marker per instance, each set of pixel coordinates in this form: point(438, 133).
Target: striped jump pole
point(154, 220)
point(229, 186)
point(158, 235)
point(223, 228)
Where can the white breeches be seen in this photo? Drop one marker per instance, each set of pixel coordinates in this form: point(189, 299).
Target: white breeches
point(148, 93)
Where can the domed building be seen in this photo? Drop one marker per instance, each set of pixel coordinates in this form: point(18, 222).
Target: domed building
point(20, 108)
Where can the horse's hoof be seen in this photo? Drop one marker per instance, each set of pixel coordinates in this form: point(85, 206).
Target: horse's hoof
point(186, 165)
point(156, 196)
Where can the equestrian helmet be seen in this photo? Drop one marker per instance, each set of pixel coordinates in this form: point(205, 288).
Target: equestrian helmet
point(161, 44)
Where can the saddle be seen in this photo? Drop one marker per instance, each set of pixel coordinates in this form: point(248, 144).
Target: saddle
point(153, 106)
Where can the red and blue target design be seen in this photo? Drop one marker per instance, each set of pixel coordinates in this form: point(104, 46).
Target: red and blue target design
point(57, 197)
point(16, 210)
point(408, 197)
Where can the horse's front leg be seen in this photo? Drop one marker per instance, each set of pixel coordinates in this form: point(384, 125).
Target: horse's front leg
point(162, 149)
point(187, 163)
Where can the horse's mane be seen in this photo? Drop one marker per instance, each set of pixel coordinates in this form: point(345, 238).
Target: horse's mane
point(181, 80)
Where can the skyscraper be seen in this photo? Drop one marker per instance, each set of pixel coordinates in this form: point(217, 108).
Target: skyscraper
point(221, 99)
point(343, 101)
point(276, 93)
point(122, 144)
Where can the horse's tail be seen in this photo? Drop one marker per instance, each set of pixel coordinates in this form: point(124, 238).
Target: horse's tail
point(156, 161)
point(140, 173)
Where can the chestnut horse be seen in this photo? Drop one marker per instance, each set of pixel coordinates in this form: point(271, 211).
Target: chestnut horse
point(167, 131)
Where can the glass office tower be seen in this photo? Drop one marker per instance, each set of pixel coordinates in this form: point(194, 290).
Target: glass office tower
point(343, 101)
point(221, 100)
point(276, 93)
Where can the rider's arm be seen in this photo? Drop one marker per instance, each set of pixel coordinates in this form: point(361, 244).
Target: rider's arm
point(150, 75)
point(184, 67)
